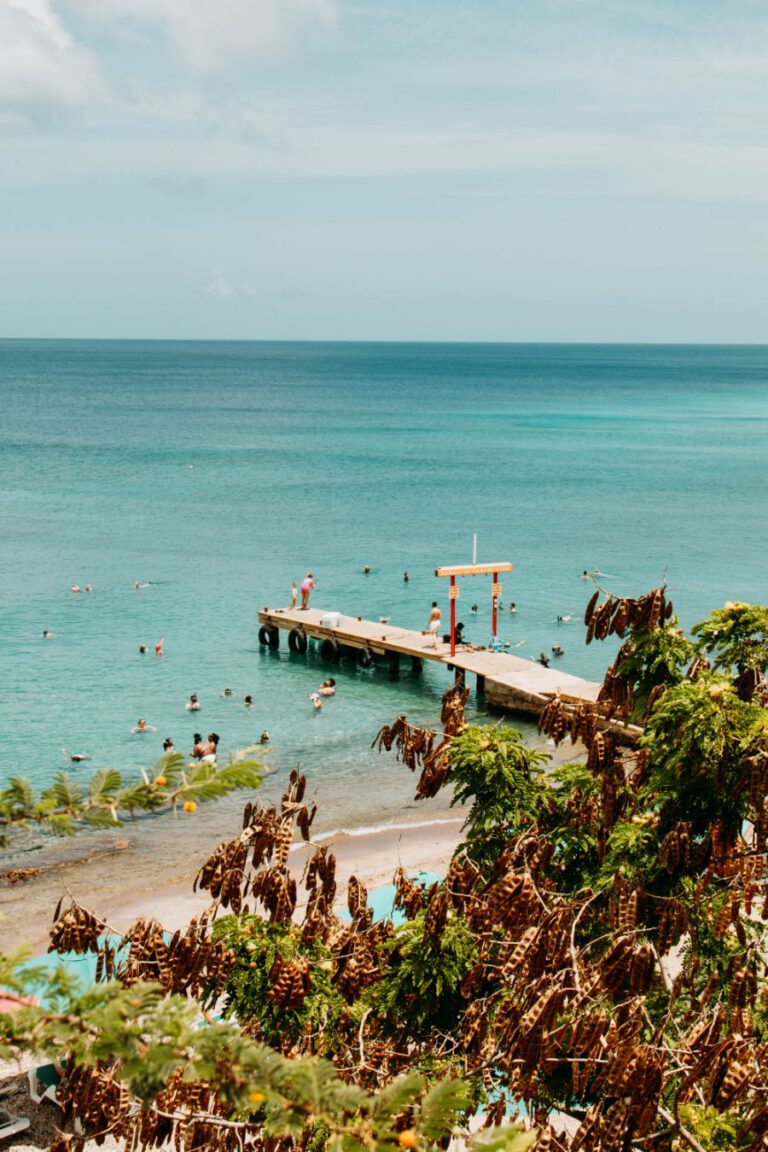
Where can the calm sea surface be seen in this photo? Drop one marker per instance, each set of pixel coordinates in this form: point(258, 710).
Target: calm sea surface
point(220, 472)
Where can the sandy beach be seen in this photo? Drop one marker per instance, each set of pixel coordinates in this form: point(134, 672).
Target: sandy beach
point(123, 877)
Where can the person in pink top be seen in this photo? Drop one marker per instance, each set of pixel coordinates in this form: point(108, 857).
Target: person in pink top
point(306, 587)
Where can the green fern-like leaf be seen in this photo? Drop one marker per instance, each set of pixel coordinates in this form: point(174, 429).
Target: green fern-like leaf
point(507, 1138)
point(19, 797)
point(64, 792)
point(61, 824)
point(104, 785)
point(435, 1115)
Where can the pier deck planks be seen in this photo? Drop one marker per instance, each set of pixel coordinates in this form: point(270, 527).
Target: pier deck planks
point(510, 681)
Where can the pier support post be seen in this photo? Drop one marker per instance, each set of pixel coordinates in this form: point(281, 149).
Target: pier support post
point(480, 685)
point(458, 677)
point(417, 665)
point(393, 658)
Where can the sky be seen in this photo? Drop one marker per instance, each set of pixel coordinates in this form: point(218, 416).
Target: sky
point(490, 170)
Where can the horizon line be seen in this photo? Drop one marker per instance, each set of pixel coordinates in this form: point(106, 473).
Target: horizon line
point(408, 342)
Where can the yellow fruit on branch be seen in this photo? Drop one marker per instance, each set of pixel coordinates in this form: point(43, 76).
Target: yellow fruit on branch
point(190, 806)
point(408, 1139)
point(161, 781)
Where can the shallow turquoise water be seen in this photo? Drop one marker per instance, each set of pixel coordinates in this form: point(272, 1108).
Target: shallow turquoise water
point(220, 472)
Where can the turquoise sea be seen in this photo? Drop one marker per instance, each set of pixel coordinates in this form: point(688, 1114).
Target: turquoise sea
point(220, 472)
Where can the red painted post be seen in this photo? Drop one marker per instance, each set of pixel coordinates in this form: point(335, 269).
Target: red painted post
point(495, 602)
point(453, 616)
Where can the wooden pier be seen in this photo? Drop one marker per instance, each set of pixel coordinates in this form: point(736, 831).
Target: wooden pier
point(508, 681)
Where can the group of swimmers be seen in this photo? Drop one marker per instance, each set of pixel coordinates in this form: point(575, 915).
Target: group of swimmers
point(159, 650)
point(367, 572)
point(205, 749)
point(193, 704)
point(556, 651)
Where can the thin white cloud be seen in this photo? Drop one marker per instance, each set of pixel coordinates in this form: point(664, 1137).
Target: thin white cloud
point(212, 34)
point(42, 68)
point(220, 286)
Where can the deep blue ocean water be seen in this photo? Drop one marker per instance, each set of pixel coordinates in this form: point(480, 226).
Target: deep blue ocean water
point(220, 472)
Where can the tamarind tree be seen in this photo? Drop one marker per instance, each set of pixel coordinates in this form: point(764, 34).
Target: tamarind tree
point(594, 960)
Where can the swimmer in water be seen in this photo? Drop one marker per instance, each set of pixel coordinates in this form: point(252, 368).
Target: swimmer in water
point(544, 659)
point(168, 747)
point(512, 608)
point(212, 747)
point(142, 726)
point(48, 635)
point(193, 704)
point(406, 577)
point(159, 647)
point(264, 738)
point(75, 757)
point(75, 588)
point(366, 571)
point(564, 619)
point(143, 649)
point(199, 747)
point(557, 650)
point(473, 608)
point(227, 692)
point(316, 701)
point(585, 575)
point(89, 587)
point(328, 687)
point(248, 701)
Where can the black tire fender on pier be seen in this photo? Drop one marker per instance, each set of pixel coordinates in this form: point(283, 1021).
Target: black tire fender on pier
point(330, 651)
point(365, 658)
point(269, 636)
point(297, 640)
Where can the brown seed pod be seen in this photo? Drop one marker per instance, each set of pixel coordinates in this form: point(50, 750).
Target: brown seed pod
point(590, 610)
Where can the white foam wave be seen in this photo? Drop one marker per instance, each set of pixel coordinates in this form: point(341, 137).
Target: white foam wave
point(374, 829)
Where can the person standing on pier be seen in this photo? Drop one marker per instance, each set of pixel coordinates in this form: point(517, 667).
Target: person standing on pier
point(294, 594)
point(433, 624)
point(307, 585)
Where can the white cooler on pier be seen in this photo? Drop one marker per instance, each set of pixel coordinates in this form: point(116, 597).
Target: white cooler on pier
point(331, 620)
